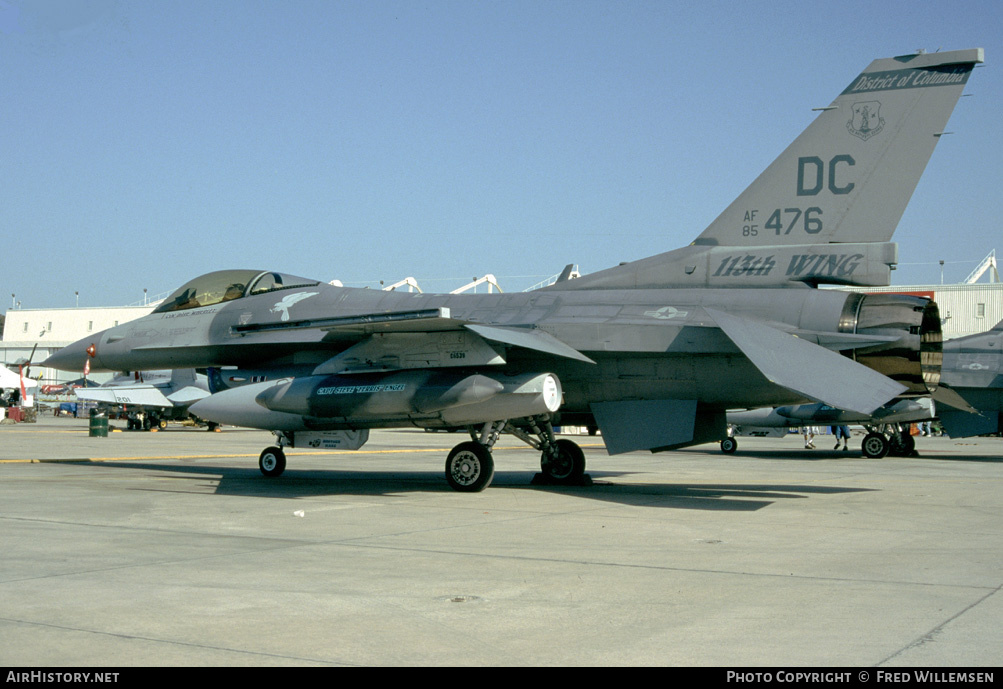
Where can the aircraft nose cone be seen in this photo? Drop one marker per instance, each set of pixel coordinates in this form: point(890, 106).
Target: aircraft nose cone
point(73, 357)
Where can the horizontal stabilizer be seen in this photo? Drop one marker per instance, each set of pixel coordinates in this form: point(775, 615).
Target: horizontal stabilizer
point(806, 368)
point(528, 338)
point(842, 341)
point(946, 396)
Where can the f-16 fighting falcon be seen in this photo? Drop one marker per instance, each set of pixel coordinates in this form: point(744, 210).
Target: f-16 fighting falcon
point(885, 432)
point(653, 352)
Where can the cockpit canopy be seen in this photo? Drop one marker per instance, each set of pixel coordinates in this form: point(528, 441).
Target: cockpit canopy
point(226, 285)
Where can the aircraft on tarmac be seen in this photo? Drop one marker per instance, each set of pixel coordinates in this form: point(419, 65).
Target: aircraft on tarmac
point(884, 436)
point(972, 369)
point(15, 380)
point(653, 352)
point(152, 397)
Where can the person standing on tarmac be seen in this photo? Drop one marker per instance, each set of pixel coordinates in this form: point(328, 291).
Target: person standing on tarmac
point(841, 433)
point(809, 436)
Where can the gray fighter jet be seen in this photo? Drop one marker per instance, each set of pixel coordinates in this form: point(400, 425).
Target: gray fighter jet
point(150, 398)
point(653, 352)
point(885, 432)
point(972, 369)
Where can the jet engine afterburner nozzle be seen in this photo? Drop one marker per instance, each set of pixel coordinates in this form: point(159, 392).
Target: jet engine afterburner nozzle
point(915, 358)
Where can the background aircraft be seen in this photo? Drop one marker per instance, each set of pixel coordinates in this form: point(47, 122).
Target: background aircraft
point(653, 352)
point(13, 380)
point(972, 368)
point(885, 434)
point(152, 397)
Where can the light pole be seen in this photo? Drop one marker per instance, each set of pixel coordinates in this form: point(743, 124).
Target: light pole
point(942, 272)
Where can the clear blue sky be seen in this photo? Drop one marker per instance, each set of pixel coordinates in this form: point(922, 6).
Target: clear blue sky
point(147, 142)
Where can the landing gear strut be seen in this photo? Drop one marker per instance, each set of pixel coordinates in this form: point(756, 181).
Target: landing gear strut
point(561, 461)
point(470, 467)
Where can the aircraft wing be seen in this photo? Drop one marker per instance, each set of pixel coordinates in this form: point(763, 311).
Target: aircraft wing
point(806, 368)
point(945, 395)
point(141, 395)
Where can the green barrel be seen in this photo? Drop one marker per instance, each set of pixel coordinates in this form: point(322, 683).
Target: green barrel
point(98, 425)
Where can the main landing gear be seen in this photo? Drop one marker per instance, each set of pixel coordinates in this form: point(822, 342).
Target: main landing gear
point(889, 439)
point(470, 466)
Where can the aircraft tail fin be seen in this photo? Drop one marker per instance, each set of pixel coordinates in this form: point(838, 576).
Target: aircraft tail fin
point(849, 175)
point(824, 211)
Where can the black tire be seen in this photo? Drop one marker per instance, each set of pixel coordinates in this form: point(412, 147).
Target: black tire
point(568, 466)
point(729, 445)
point(272, 461)
point(470, 467)
point(902, 445)
point(875, 446)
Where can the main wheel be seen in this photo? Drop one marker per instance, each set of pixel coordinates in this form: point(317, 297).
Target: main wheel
point(902, 445)
point(568, 466)
point(272, 461)
point(729, 445)
point(874, 446)
point(470, 467)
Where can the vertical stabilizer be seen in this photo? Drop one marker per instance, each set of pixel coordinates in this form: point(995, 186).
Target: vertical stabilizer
point(850, 174)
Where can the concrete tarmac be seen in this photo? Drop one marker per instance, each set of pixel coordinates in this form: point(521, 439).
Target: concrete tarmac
point(171, 549)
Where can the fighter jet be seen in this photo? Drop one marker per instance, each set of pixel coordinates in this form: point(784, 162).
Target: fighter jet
point(885, 433)
point(653, 352)
point(150, 398)
point(972, 370)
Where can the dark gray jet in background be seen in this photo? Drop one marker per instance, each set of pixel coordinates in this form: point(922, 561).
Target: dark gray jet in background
point(652, 352)
point(973, 368)
point(887, 427)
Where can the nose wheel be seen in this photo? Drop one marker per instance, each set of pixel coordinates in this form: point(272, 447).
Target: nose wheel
point(272, 461)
